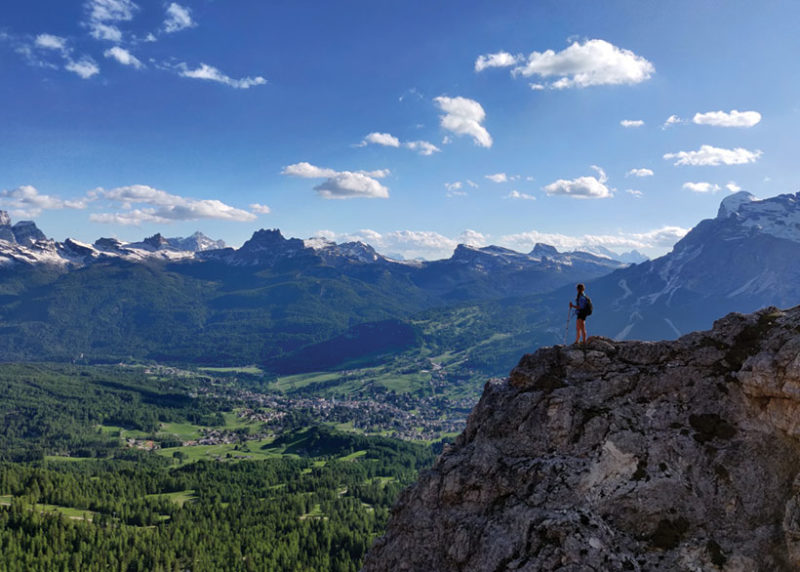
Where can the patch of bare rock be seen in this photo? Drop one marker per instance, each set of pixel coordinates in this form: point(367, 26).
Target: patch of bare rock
point(679, 455)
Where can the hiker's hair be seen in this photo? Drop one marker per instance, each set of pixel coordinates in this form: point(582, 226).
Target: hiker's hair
point(581, 287)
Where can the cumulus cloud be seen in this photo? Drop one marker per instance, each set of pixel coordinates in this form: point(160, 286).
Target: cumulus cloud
point(582, 187)
point(701, 187)
point(639, 173)
point(385, 139)
point(26, 202)
point(50, 42)
point(498, 60)
point(497, 177)
point(389, 140)
point(161, 207)
point(210, 73)
point(473, 238)
point(517, 195)
point(342, 184)
point(631, 122)
point(732, 119)
point(178, 18)
point(593, 62)
point(422, 147)
point(733, 187)
point(103, 15)
point(671, 120)
point(712, 156)
point(84, 67)
point(464, 117)
point(260, 209)
point(408, 244)
point(124, 57)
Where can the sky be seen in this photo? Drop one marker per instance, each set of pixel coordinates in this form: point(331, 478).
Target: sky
point(410, 125)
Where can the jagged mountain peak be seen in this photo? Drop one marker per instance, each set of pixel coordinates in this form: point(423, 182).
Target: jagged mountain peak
point(730, 204)
point(677, 455)
point(5, 218)
point(541, 249)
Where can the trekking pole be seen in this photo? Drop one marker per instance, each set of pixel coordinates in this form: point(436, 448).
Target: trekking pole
point(566, 328)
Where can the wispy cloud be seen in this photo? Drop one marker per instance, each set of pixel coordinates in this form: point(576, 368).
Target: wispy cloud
point(588, 63)
point(672, 120)
point(389, 140)
point(660, 238)
point(178, 18)
point(497, 177)
point(124, 57)
point(712, 156)
point(517, 195)
point(701, 187)
point(84, 67)
point(464, 116)
point(104, 15)
point(639, 173)
point(634, 192)
point(210, 73)
point(582, 187)
point(50, 42)
point(631, 123)
point(342, 184)
point(26, 202)
point(733, 118)
point(161, 207)
point(497, 60)
point(260, 209)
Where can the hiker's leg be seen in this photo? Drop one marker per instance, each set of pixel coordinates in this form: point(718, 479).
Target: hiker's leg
point(579, 327)
point(583, 330)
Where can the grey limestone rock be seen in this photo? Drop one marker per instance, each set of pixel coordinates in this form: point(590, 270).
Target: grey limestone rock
point(680, 455)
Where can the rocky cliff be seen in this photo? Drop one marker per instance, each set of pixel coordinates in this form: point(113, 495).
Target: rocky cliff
point(681, 455)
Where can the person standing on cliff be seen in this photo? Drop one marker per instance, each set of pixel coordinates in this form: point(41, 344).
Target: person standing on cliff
point(583, 305)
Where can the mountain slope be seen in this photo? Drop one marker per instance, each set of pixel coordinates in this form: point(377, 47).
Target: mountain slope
point(678, 455)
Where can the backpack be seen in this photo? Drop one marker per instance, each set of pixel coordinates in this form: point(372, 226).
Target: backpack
point(587, 305)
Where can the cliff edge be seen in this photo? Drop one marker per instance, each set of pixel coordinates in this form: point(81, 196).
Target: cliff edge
point(680, 455)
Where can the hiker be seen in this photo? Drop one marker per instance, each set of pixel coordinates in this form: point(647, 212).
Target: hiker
point(583, 305)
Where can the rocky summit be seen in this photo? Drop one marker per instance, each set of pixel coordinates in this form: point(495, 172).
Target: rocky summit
point(679, 455)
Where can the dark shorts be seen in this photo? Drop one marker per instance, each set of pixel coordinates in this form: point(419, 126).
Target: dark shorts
point(582, 315)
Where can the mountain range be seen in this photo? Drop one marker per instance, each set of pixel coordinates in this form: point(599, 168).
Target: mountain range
point(291, 304)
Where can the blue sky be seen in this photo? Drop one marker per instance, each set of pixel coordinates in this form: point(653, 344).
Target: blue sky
point(410, 125)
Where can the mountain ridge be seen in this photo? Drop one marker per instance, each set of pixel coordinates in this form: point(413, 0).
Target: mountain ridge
point(623, 456)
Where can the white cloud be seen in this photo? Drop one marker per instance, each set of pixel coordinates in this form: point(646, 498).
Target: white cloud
point(103, 14)
point(385, 139)
point(50, 42)
point(631, 122)
point(634, 192)
point(211, 73)
point(593, 62)
point(672, 120)
point(178, 18)
point(162, 207)
point(497, 177)
point(453, 186)
point(389, 140)
point(26, 202)
point(85, 67)
point(639, 173)
point(733, 119)
point(658, 239)
point(537, 86)
point(582, 187)
point(342, 184)
point(422, 147)
point(517, 195)
point(702, 187)
point(464, 117)
point(472, 184)
point(124, 57)
point(498, 60)
point(708, 155)
point(733, 187)
point(260, 209)
point(473, 238)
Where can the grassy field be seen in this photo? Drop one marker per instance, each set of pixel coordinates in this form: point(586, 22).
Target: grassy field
point(73, 513)
point(179, 498)
point(250, 369)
